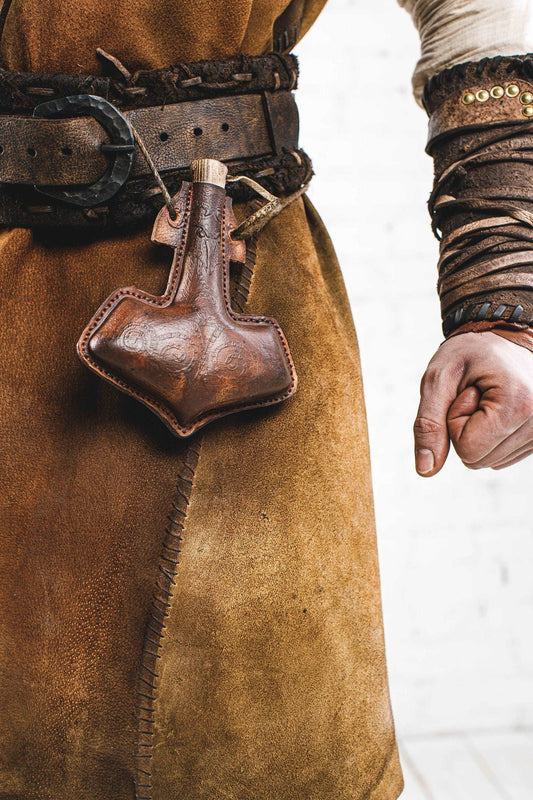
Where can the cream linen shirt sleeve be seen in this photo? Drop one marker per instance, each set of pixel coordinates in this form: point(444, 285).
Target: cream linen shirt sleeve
point(453, 31)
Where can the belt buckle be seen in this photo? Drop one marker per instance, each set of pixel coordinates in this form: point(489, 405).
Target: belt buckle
point(121, 146)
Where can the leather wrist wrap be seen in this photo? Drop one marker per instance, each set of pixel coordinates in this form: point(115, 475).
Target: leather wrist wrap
point(481, 140)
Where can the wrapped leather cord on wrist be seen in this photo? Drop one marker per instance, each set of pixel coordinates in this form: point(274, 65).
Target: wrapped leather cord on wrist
point(481, 139)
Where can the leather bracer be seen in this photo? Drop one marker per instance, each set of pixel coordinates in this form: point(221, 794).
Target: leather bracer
point(481, 140)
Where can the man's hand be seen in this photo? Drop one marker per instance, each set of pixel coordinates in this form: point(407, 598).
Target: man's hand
point(477, 392)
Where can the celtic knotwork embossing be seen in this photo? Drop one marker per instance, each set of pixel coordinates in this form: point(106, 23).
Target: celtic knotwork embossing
point(232, 358)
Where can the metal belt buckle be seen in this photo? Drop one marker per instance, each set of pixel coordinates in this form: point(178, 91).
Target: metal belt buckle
point(121, 147)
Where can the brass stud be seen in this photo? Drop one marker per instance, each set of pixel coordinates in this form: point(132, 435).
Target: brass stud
point(497, 92)
point(527, 111)
point(512, 90)
point(468, 98)
point(482, 96)
point(526, 98)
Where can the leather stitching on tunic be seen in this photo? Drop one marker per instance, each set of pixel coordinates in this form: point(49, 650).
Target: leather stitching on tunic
point(153, 637)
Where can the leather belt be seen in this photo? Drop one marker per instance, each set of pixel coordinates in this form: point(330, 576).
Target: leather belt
point(71, 146)
point(63, 152)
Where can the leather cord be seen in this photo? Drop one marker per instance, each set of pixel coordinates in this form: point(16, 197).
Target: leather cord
point(486, 235)
point(255, 223)
point(155, 172)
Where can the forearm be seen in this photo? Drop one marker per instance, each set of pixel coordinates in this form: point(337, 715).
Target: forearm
point(475, 79)
point(478, 33)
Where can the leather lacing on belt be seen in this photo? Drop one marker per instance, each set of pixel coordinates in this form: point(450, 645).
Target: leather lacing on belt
point(67, 159)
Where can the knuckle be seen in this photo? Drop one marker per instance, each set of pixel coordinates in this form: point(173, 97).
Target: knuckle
point(468, 453)
point(442, 370)
point(472, 451)
point(430, 378)
point(424, 426)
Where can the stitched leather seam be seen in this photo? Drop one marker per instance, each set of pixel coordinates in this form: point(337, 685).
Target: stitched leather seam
point(153, 639)
point(176, 83)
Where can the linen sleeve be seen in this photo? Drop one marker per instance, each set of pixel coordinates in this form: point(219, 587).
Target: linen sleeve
point(454, 31)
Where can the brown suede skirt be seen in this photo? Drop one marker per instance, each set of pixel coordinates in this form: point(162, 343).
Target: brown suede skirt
point(262, 676)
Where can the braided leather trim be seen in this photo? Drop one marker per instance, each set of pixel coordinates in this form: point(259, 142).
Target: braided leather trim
point(21, 91)
point(486, 311)
point(141, 199)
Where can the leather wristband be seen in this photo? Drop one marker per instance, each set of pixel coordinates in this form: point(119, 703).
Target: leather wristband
point(481, 140)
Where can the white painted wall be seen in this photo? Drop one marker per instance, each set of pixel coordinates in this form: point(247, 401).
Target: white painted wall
point(456, 550)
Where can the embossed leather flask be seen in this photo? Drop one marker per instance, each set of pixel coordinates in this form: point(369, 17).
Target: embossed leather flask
point(187, 354)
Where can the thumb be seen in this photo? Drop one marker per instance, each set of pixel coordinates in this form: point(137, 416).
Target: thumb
point(438, 390)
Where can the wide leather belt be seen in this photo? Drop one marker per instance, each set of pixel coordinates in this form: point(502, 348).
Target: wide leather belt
point(71, 146)
point(63, 152)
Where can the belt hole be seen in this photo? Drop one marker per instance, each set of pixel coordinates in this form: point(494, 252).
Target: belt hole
point(66, 151)
point(163, 135)
point(225, 127)
point(31, 151)
point(197, 131)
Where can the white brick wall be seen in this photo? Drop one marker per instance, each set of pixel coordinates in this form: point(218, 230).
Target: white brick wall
point(456, 550)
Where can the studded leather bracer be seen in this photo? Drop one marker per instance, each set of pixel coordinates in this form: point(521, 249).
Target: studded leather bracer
point(481, 140)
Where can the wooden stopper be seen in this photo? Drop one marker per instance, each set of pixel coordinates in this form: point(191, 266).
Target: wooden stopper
point(209, 170)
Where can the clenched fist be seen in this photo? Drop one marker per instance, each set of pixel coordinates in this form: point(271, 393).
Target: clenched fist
point(477, 392)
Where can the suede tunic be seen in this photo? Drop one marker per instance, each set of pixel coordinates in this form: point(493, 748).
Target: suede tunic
point(270, 679)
